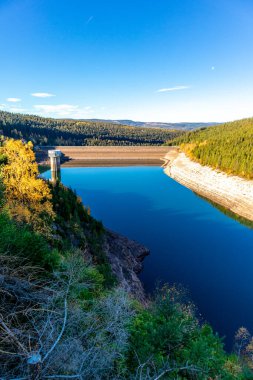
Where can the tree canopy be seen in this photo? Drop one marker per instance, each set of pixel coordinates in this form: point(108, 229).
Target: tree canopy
point(228, 147)
point(46, 131)
point(28, 197)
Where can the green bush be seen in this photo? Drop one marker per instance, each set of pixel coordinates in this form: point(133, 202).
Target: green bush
point(78, 228)
point(88, 282)
point(20, 241)
point(168, 337)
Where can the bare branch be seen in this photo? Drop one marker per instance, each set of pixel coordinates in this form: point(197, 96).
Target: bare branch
point(61, 332)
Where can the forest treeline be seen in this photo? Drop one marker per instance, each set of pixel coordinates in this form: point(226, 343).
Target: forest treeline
point(63, 314)
point(227, 147)
point(47, 131)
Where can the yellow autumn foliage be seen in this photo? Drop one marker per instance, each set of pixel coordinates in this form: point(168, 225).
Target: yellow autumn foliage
point(29, 196)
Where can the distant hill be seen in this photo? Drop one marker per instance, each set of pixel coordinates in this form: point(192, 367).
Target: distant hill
point(228, 147)
point(174, 126)
point(48, 131)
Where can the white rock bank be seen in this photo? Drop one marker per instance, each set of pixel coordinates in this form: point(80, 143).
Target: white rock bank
point(234, 193)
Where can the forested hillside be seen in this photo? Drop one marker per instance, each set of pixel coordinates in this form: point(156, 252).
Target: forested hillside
point(179, 126)
point(44, 131)
point(228, 147)
point(62, 312)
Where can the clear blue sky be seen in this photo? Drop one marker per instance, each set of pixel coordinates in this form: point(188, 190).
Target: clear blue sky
point(163, 60)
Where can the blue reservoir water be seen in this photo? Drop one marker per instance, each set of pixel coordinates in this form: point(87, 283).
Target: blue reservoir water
point(191, 242)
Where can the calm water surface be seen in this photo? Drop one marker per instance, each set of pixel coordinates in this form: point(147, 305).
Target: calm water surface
point(191, 242)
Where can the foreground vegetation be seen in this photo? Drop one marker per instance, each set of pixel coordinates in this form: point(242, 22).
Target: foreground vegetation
point(228, 147)
point(62, 313)
point(45, 131)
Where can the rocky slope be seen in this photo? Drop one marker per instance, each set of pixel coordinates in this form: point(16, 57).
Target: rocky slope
point(234, 193)
point(75, 227)
point(125, 257)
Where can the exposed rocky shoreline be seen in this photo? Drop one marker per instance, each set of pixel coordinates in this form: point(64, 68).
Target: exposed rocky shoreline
point(231, 192)
point(126, 257)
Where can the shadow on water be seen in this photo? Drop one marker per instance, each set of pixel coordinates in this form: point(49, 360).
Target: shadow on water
point(225, 211)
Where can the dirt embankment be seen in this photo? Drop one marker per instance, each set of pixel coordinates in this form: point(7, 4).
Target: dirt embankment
point(106, 155)
point(234, 193)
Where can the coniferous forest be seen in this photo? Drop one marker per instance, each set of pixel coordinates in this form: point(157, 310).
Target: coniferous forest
point(45, 131)
point(227, 147)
